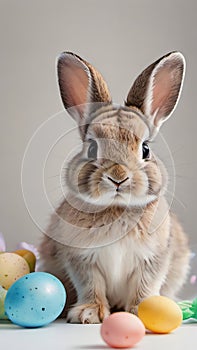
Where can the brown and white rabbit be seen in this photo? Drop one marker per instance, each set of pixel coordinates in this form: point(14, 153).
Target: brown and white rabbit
point(113, 240)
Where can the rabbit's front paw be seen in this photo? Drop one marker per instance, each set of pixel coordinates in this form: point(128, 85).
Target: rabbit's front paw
point(134, 310)
point(88, 313)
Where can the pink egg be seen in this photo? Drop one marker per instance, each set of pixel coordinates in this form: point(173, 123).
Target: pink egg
point(122, 330)
point(193, 279)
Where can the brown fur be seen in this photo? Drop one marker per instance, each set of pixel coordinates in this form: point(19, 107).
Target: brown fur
point(113, 241)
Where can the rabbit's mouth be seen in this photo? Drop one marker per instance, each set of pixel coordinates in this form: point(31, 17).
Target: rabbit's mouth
point(128, 190)
point(131, 189)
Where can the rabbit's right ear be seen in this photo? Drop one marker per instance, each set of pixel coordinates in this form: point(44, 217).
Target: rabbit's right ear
point(80, 84)
point(157, 89)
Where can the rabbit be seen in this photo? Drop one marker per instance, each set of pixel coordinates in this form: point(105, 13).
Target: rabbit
point(113, 240)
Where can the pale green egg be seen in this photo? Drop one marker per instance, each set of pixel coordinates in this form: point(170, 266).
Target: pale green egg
point(3, 293)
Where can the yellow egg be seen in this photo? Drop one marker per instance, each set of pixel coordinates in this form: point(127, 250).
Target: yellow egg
point(12, 267)
point(160, 314)
point(28, 256)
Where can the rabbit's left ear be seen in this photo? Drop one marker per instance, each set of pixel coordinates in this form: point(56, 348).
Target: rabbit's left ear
point(81, 85)
point(157, 89)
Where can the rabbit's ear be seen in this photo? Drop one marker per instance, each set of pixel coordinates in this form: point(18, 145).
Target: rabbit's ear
point(80, 84)
point(157, 89)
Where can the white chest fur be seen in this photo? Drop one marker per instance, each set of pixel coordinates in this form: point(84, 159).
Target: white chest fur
point(120, 264)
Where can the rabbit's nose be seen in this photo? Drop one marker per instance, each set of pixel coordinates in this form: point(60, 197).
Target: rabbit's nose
point(118, 183)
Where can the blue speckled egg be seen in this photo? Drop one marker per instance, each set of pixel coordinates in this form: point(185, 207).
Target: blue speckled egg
point(35, 300)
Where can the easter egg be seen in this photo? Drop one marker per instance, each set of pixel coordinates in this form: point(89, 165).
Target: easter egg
point(12, 267)
point(160, 314)
point(122, 330)
point(28, 256)
point(2, 299)
point(35, 300)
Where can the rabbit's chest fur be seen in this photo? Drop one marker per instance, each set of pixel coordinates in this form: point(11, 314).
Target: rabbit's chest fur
point(120, 264)
point(134, 260)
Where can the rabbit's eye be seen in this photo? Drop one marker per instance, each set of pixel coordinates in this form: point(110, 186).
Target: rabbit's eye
point(145, 150)
point(92, 150)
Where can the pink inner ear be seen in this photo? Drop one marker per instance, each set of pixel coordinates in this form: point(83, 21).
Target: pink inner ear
point(74, 84)
point(163, 90)
point(77, 87)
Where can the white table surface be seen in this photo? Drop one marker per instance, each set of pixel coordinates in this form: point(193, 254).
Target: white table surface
point(60, 335)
